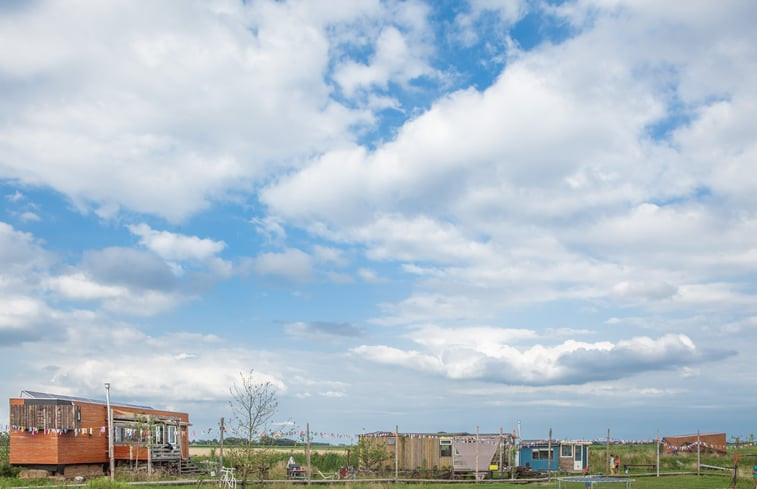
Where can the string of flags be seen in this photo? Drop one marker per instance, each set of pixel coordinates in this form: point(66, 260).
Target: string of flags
point(100, 430)
point(90, 431)
point(277, 434)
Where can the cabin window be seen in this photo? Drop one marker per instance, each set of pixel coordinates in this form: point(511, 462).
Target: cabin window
point(172, 435)
point(445, 448)
point(566, 451)
point(127, 434)
point(540, 454)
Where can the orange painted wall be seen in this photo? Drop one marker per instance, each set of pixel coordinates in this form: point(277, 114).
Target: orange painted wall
point(86, 448)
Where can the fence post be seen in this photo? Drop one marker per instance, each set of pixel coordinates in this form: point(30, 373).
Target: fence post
point(396, 453)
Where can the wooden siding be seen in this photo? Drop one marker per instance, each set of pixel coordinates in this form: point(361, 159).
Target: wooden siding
point(44, 416)
point(421, 453)
point(86, 444)
point(412, 452)
point(86, 448)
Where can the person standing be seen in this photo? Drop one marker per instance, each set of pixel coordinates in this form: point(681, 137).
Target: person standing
point(617, 464)
point(612, 464)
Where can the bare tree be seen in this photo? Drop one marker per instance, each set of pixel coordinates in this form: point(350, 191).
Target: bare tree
point(253, 405)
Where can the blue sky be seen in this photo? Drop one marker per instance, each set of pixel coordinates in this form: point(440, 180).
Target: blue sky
point(436, 215)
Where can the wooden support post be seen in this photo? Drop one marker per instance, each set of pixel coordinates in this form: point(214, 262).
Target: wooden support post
point(477, 466)
point(307, 454)
point(220, 448)
point(396, 453)
point(549, 456)
point(501, 451)
point(607, 452)
point(699, 453)
point(150, 435)
point(178, 442)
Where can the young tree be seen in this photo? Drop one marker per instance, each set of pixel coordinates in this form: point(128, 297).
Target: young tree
point(372, 454)
point(253, 405)
point(5, 453)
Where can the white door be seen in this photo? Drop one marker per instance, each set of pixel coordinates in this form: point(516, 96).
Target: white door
point(578, 457)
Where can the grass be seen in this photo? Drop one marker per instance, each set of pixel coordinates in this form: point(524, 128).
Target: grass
point(664, 482)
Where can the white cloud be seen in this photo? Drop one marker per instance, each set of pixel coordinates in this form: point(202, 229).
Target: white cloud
point(172, 246)
point(291, 265)
point(394, 61)
point(78, 286)
point(328, 254)
point(489, 354)
point(177, 107)
point(29, 216)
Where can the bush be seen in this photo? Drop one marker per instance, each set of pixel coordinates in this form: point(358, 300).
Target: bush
point(5, 450)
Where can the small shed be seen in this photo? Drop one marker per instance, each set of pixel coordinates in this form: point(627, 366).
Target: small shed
point(459, 452)
point(707, 443)
point(562, 456)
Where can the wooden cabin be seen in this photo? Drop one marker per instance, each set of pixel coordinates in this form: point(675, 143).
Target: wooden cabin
point(558, 456)
point(53, 432)
point(459, 453)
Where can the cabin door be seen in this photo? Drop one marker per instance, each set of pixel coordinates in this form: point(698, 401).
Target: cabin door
point(578, 457)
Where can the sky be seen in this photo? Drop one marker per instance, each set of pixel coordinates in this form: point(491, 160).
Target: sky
point(434, 216)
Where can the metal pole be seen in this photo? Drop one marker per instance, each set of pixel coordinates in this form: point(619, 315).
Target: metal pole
point(658, 452)
point(110, 431)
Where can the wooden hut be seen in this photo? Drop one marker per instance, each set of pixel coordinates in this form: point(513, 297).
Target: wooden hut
point(707, 443)
point(456, 452)
point(53, 432)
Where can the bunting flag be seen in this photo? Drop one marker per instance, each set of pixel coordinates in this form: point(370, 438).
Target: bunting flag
point(279, 434)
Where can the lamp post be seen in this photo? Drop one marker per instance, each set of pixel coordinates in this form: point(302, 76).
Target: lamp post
point(110, 430)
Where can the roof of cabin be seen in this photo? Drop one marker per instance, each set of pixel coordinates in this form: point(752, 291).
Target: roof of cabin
point(58, 397)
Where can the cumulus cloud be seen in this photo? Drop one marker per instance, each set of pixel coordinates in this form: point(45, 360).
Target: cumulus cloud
point(21, 252)
point(556, 182)
point(172, 246)
point(158, 118)
point(485, 355)
point(26, 319)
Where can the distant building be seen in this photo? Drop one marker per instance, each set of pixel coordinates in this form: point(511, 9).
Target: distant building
point(708, 443)
point(53, 432)
point(563, 456)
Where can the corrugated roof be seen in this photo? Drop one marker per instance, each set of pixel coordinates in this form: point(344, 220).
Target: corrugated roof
point(59, 397)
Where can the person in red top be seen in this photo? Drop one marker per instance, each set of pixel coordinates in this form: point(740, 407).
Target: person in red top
point(617, 464)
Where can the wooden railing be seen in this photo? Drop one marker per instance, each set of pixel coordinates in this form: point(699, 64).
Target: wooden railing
point(165, 452)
